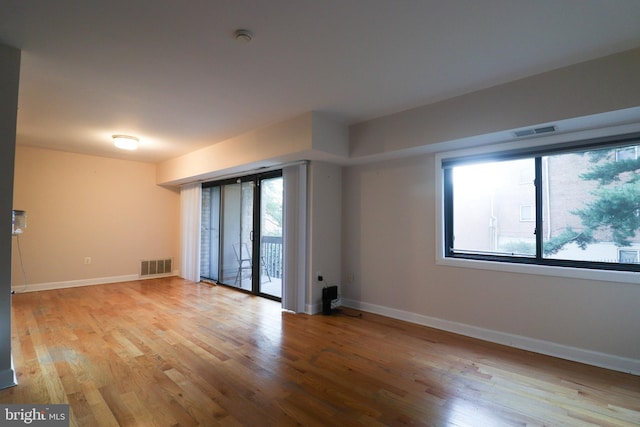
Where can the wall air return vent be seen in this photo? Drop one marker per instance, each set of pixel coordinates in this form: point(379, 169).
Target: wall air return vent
point(156, 267)
point(534, 131)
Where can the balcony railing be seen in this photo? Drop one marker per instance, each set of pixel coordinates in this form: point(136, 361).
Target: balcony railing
point(271, 255)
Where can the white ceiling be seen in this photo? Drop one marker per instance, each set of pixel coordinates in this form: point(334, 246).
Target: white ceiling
point(171, 72)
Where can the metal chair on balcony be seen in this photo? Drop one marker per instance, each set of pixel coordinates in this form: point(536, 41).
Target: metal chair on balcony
point(243, 256)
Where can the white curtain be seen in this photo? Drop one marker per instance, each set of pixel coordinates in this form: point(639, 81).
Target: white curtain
point(190, 201)
point(295, 238)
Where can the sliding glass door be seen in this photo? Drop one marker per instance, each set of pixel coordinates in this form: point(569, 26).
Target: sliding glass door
point(271, 191)
point(237, 231)
point(241, 243)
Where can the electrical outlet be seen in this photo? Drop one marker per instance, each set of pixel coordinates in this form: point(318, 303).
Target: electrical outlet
point(320, 276)
point(350, 278)
point(87, 260)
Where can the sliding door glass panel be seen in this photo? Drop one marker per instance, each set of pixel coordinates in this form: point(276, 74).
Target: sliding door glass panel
point(271, 191)
point(232, 268)
point(214, 257)
point(210, 233)
point(237, 233)
point(205, 230)
point(245, 243)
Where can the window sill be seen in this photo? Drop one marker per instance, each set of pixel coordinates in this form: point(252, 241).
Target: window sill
point(544, 270)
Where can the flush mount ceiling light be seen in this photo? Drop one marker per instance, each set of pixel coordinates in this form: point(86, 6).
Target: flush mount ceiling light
point(125, 142)
point(243, 35)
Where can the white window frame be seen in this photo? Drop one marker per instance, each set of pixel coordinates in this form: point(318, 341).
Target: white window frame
point(635, 153)
point(532, 216)
point(620, 250)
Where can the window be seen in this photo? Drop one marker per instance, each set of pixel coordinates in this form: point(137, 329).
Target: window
point(526, 213)
point(580, 209)
point(628, 256)
point(626, 153)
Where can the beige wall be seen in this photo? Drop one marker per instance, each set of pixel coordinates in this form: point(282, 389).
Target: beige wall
point(389, 220)
point(589, 88)
point(251, 149)
point(309, 136)
point(389, 248)
point(325, 230)
point(84, 206)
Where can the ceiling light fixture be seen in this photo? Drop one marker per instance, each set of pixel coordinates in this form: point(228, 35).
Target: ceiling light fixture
point(243, 35)
point(125, 142)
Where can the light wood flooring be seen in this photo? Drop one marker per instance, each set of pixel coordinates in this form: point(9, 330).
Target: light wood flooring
point(168, 352)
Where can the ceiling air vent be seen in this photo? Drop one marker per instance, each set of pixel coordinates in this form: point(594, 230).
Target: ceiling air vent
point(534, 131)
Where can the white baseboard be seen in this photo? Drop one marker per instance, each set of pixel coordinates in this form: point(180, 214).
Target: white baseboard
point(549, 348)
point(85, 282)
point(313, 309)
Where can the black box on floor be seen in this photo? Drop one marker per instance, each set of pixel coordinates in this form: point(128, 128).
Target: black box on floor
point(329, 294)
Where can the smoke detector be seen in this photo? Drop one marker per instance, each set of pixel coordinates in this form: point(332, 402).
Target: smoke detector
point(243, 35)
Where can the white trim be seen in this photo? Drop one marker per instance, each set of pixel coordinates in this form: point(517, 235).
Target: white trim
point(312, 309)
point(544, 270)
point(603, 360)
point(19, 289)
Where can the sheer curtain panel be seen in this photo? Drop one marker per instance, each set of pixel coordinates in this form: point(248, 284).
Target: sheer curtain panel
point(295, 238)
point(190, 201)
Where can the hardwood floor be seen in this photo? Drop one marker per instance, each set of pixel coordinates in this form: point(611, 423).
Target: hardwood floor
point(167, 352)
